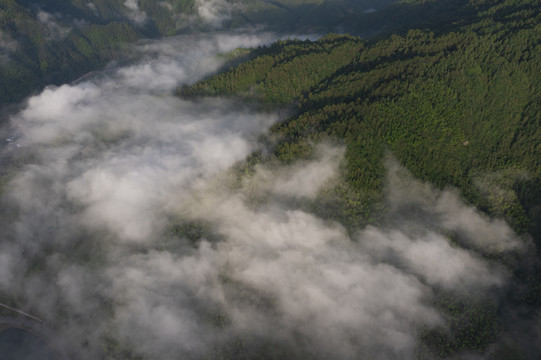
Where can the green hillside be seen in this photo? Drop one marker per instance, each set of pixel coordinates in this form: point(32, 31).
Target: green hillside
point(46, 50)
point(457, 101)
point(450, 89)
point(52, 42)
point(458, 107)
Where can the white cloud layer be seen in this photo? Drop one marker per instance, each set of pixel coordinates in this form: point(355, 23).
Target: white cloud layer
point(214, 12)
point(134, 13)
point(111, 165)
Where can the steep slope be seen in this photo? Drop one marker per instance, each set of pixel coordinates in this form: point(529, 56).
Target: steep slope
point(125, 228)
point(51, 42)
point(40, 48)
point(457, 107)
point(458, 104)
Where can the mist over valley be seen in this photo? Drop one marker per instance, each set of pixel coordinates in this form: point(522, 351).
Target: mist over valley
point(241, 193)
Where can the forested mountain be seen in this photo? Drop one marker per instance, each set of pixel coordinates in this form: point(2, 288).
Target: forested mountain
point(456, 100)
point(458, 107)
point(40, 47)
point(50, 42)
point(138, 225)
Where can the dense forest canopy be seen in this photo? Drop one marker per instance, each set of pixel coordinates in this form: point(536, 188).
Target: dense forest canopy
point(372, 194)
point(46, 42)
point(456, 99)
point(459, 106)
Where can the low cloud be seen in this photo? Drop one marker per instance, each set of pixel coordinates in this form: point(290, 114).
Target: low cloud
point(54, 30)
point(134, 13)
point(431, 258)
point(120, 223)
point(302, 180)
point(7, 44)
point(446, 210)
point(304, 278)
point(215, 12)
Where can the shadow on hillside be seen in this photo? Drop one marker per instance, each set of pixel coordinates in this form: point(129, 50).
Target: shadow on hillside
point(363, 19)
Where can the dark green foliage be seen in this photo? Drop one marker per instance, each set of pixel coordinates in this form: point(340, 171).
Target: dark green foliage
point(91, 34)
point(56, 41)
point(193, 231)
point(472, 326)
point(457, 104)
point(273, 74)
point(352, 208)
point(457, 108)
point(42, 56)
